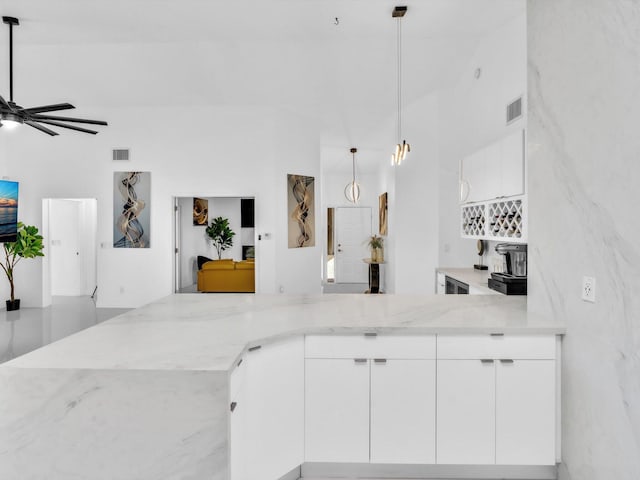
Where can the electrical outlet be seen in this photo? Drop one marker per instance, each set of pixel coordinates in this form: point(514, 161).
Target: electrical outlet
point(589, 289)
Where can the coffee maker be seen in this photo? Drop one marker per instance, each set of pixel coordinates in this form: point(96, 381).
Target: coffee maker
point(514, 280)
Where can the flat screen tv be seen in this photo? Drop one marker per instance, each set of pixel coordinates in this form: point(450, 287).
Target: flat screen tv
point(8, 211)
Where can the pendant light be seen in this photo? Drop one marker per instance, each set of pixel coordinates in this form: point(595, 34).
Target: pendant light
point(352, 190)
point(401, 149)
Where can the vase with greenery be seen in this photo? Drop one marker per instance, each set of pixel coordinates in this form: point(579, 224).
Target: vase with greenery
point(28, 244)
point(220, 234)
point(376, 243)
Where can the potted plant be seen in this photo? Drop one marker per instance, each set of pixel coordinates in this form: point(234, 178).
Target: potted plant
point(376, 243)
point(28, 244)
point(220, 234)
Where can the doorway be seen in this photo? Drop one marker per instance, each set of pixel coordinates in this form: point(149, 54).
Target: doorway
point(350, 228)
point(70, 235)
point(192, 245)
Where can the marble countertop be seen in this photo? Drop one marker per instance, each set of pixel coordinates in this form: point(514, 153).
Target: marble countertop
point(470, 276)
point(200, 332)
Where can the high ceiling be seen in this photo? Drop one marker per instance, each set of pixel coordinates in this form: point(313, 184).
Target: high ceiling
point(285, 53)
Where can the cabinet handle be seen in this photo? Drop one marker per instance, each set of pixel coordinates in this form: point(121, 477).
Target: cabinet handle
point(233, 406)
point(257, 347)
point(370, 334)
point(239, 362)
point(497, 334)
point(380, 360)
point(360, 360)
point(486, 360)
point(506, 360)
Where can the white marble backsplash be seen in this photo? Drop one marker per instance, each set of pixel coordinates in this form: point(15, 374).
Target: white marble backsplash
point(584, 174)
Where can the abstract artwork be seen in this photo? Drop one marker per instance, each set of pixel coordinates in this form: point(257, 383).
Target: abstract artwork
point(200, 212)
point(382, 213)
point(302, 218)
point(131, 195)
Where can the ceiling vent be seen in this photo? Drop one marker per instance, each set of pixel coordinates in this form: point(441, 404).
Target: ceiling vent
point(120, 154)
point(514, 110)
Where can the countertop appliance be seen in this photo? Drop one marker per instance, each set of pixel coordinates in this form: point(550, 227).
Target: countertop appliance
point(514, 280)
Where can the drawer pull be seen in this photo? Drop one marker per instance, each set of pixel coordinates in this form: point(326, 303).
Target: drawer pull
point(233, 406)
point(380, 360)
point(497, 334)
point(506, 360)
point(360, 360)
point(239, 362)
point(257, 347)
point(486, 360)
point(370, 334)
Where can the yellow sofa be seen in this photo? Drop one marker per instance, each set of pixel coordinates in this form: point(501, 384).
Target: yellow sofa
point(227, 276)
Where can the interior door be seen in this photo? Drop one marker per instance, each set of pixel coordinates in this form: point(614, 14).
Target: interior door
point(67, 269)
point(352, 229)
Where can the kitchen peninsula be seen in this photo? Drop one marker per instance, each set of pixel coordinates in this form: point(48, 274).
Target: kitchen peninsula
point(152, 394)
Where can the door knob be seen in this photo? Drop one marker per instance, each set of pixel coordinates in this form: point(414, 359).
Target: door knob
point(339, 250)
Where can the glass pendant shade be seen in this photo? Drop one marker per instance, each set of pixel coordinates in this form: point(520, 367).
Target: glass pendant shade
point(352, 190)
point(401, 149)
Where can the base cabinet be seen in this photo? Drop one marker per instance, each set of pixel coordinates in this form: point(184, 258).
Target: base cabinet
point(267, 421)
point(403, 403)
point(466, 412)
point(337, 410)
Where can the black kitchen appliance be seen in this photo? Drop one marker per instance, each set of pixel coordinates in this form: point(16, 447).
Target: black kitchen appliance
point(514, 280)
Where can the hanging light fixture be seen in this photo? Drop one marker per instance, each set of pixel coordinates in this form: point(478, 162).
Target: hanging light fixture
point(401, 149)
point(352, 190)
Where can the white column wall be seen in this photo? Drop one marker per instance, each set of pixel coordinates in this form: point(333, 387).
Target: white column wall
point(584, 110)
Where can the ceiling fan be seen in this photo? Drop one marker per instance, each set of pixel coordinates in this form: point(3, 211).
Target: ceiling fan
point(12, 114)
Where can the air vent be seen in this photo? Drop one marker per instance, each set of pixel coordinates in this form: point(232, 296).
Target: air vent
point(120, 154)
point(514, 110)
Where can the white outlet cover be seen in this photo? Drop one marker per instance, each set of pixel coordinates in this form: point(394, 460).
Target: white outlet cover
point(589, 289)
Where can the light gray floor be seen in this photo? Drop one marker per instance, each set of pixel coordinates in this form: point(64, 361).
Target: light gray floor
point(29, 328)
point(344, 287)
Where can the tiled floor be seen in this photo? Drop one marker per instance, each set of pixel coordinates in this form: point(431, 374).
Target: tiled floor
point(29, 328)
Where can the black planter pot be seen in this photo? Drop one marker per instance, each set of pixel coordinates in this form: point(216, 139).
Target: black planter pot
point(13, 305)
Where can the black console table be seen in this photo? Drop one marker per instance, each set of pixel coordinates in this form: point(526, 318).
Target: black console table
point(374, 275)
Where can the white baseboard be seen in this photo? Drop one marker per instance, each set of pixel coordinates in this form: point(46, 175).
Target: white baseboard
point(365, 471)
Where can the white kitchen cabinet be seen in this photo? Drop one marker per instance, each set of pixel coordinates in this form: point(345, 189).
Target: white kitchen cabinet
point(512, 165)
point(239, 451)
point(403, 411)
point(441, 283)
point(336, 410)
point(525, 412)
point(272, 414)
point(495, 170)
point(465, 412)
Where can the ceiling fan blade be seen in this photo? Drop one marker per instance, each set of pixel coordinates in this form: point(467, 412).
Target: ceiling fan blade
point(70, 127)
point(67, 119)
point(49, 108)
point(4, 104)
point(41, 128)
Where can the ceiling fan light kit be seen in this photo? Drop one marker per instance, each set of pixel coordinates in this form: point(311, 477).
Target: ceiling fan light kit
point(401, 149)
point(13, 115)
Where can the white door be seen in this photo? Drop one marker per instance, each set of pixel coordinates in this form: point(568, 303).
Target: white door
point(403, 403)
point(466, 412)
point(67, 268)
point(336, 410)
point(525, 412)
point(352, 229)
point(275, 421)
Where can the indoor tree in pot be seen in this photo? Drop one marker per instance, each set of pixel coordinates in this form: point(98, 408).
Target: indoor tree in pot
point(28, 244)
point(220, 234)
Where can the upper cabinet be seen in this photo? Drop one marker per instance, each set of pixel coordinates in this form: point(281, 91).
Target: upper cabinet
point(494, 171)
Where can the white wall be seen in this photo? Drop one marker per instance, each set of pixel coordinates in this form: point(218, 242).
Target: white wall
point(226, 151)
point(584, 112)
point(473, 114)
point(414, 209)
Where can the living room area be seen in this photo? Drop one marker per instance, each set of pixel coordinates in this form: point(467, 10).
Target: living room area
point(215, 244)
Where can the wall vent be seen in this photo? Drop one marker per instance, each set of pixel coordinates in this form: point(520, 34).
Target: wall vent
point(120, 154)
point(514, 110)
